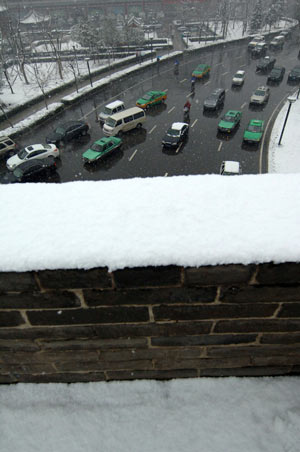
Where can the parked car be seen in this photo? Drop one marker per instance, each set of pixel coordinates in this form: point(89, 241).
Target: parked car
point(215, 99)
point(33, 170)
point(230, 121)
point(254, 131)
point(230, 168)
point(176, 134)
point(111, 109)
point(260, 96)
point(67, 131)
point(239, 78)
point(7, 146)
point(276, 74)
point(151, 98)
point(34, 151)
point(259, 50)
point(255, 40)
point(294, 75)
point(186, 34)
point(201, 71)
point(101, 148)
point(265, 64)
point(277, 43)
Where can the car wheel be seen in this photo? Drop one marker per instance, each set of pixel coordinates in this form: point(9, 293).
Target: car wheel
point(84, 132)
point(120, 133)
point(139, 125)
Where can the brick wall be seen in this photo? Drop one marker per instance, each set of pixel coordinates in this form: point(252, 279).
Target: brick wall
point(152, 322)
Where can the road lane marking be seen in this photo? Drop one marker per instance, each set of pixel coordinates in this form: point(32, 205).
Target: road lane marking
point(226, 90)
point(166, 175)
point(225, 73)
point(153, 128)
point(207, 83)
point(218, 64)
point(189, 95)
point(220, 146)
point(242, 65)
point(167, 89)
point(178, 149)
point(244, 104)
point(131, 157)
point(194, 122)
point(171, 110)
point(183, 80)
point(237, 58)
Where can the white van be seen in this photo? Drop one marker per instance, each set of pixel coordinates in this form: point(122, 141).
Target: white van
point(111, 109)
point(124, 121)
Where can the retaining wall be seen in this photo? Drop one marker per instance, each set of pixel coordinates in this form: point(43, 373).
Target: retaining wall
point(153, 322)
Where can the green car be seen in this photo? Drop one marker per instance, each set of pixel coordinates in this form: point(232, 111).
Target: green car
point(101, 148)
point(201, 70)
point(230, 121)
point(254, 131)
point(151, 98)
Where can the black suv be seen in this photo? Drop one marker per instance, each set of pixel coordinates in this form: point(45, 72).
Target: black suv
point(276, 74)
point(215, 99)
point(33, 170)
point(265, 64)
point(67, 131)
point(294, 75)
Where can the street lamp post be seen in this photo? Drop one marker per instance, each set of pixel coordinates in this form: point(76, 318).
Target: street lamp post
point(88, 65)
point(291, 100)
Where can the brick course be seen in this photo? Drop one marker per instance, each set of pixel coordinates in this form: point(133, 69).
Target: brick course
point(152, 322)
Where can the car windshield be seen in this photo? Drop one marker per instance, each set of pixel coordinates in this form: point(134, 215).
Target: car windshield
point(110, 122)
point(239, 75)
point(18, 172)
point(22, 154)
point(97, 147)
point(147, 96)
point(259, 92)
point(228, 118)
point(173, 132)
point(107, 111)
point(60, 130)
point(254, 128)
point(212, 98)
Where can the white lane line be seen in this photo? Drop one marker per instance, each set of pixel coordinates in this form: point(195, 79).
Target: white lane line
point(225, 73)
point(178, 149)
point(244, 104)
point(226, 90)
point(167, 89)
point(183, 80)
point(242, 65)
point(171, 110)
point(189, 95)
point(194, 122)
point(220, 146)
point(207, 83)
point(153, 128)
point(237, 58)
point(218, 64)
point(166, 175)
point(131, 157)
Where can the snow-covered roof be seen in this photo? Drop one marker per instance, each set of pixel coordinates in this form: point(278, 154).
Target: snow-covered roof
point(178, 125)
point(34, 18)
point(115, 104)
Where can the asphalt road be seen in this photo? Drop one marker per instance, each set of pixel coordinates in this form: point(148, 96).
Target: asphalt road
point(141, 154)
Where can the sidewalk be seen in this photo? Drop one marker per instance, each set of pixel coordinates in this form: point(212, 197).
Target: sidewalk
point(285, 158)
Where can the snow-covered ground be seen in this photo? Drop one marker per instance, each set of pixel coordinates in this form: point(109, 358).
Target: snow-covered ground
point(209, 415)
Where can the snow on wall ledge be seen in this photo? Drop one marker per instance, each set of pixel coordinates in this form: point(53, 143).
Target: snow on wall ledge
point(184, 220)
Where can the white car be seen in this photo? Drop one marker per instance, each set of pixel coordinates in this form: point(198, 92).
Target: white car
point(239, 78)
point(230, 168)
point(34, 151)
point(255, 41)
point(260, 95)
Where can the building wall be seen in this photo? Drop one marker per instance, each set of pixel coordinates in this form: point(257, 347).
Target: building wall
point(153, 322)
